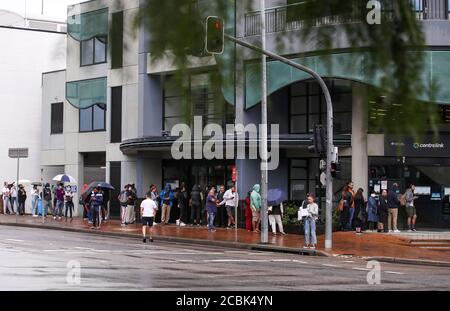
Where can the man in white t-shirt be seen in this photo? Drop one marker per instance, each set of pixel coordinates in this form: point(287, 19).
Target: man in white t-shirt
point(6, 192)
point(148, 212)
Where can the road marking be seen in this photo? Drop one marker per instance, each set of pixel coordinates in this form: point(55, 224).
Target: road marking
point(331, 266)
point(361, 269)
point(348, 261)
point(299, 261)
point(13, 240)
point(235, 260)
point(393, 272)
point(282, 260)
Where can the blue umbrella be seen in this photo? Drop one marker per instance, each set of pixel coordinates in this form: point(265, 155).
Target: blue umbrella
point(275, 197)
point(65, 179)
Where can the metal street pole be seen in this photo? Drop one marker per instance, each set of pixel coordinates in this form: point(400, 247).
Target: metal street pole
point(263, 150)
point(330, 135)
point(17, 187)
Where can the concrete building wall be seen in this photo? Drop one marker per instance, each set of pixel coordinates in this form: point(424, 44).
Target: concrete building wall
point(24, 56)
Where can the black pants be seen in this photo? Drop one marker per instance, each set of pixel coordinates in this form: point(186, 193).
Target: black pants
point(221, 221)
point(344, 218)
point(21, 208)
point(183, 214)
point(195, 213)
point(95, 214)
point(69, 208)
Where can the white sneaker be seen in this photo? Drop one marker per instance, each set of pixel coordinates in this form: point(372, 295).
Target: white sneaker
point(390, 231)
point(182, 224)
point(409, 231)
point(397, 231)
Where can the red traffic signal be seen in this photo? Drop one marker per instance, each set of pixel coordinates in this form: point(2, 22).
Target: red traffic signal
point(215, 35)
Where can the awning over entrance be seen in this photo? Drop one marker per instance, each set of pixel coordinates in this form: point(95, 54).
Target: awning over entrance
point(86, 93)
point(286, 141)
point(345, 66)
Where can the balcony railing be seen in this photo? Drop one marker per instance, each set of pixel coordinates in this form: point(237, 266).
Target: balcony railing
point(277, 18)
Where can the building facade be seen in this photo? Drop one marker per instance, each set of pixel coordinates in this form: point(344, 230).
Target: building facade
point(121, 106)
point(30, 46)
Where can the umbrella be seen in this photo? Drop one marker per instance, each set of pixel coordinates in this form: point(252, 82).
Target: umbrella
point(37, 183)
point(275, 197)
point(92, 185)
point(65, 178)
point(24, 181)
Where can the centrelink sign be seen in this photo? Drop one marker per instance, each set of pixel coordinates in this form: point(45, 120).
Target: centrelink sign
point(427, 147)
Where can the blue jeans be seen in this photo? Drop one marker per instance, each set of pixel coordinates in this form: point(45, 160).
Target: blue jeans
point(45, 206)
point(59, 208)
point(310, 231)
point(34, 205)
point(211, 217)
point(351, 214)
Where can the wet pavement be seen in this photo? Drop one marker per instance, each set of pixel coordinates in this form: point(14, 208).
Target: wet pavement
point(41, 259)
point(344, 243)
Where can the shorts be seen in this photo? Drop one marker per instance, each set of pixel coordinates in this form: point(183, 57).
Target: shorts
point(255, 215)
point(147, 221)
point(411, 211)
point(230, 210)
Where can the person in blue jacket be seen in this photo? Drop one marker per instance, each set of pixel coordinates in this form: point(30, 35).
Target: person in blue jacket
point(167, 201)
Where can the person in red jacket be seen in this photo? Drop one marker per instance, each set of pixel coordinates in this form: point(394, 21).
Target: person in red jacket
point(248, 213)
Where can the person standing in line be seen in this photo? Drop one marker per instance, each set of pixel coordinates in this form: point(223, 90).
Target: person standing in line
point(105, 205)
point(394, 204)
point(130, 215)
point(14, 203)
point(154, 195)
point(68, 201)
point(220, 220)
point(6, 192)
point(211, 209)
point(350, 199)
point(148, 212)
point(248, 213)
point(383, 212)
point(96, 203)
point(167, 198)
point(46, 199)
point(34, 201)
point(182, 205)
point(411, 211)
point(275, 218)
point(372, 211)
point(360, 210)
point(230, 201)
point(310, 223)
point(59, 202)
point(123, 200)
point(21, 199)
point(255, 205)
point(196, 205)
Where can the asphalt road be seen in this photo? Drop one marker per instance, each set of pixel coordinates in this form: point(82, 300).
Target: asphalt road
point(35, 259)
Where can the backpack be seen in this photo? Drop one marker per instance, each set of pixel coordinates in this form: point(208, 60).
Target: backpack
point(403, 200)
point(123, 199)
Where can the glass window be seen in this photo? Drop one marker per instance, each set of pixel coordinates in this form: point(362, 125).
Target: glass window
point(298, 124)
point(86, 120)
point(87, 52)
point(299, 89)
point(100, 50)
point(299, 105)
point(93, 51)
point(299, 173)
point(57, 118)
point(93, 119)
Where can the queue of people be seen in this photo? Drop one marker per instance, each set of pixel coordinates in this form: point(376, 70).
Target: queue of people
point(379, 213)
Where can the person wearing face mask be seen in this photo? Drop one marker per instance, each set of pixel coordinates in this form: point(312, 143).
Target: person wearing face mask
point(310, 223)
point(383, 212)
point(372, 211)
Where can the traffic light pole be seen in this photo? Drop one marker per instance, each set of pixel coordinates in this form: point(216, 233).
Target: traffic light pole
point(330, 136)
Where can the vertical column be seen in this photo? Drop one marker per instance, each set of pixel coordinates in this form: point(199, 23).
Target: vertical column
point(75, 168)
point(360, 158)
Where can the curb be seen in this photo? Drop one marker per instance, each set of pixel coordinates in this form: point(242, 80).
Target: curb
point(175, 240)
point(405, 261)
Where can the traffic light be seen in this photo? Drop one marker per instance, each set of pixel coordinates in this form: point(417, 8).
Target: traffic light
point(335, 170)
point(319, 141)
point(215, 35)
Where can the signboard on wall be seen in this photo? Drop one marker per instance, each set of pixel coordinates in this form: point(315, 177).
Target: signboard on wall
point(447, 191)
point(423, 190)
point(426, 147)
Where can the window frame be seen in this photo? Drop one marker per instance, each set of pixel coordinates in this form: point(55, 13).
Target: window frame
point(92, 120)
point(52, 132)
point(93, 51)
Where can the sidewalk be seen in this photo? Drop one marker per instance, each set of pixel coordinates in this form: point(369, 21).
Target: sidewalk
point(384, 247)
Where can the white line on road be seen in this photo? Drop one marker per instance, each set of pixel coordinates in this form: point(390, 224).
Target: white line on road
point(13, 240)
point(361, 269)
point(331, 266)
point(348, 261)
point(282, 260)
point(299, 261)
point(393, 272)
point(235, 260)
